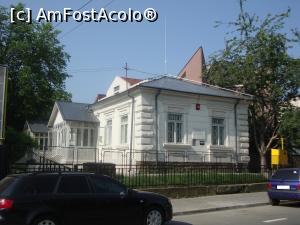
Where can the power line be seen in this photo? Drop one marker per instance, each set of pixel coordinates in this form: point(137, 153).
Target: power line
point(70, 31)
point(144, 72)
point(108, 69)
point(94, 70)
point(80, 24)
point(84, 5)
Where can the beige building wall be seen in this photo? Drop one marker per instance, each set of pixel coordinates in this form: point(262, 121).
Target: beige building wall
point(194, 68)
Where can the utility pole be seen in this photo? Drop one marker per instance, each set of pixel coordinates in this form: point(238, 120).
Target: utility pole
point(126, 75)
point(166, 68)
point(132, 117)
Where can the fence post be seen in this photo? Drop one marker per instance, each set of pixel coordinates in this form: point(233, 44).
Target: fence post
point(4, 168)
point(76, 155)
point(44, 156)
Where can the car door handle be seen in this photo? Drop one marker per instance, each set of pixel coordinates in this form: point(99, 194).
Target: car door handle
point(122, 194)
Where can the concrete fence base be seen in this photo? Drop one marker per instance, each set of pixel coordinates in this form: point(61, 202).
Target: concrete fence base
point(197, 191)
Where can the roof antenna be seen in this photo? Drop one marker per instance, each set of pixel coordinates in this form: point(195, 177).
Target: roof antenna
point(166, 68)
point(126, 75)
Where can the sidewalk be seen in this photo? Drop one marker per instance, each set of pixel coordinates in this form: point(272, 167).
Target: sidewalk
point(186, 206)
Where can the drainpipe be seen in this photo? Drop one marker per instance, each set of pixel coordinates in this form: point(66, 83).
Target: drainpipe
point(131, 131)
point(156, 124)
point(236, 132)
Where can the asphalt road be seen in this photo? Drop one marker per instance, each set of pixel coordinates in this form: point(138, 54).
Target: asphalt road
point(285, 214)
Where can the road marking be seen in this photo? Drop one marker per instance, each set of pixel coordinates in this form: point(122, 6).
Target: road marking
point(275, 220)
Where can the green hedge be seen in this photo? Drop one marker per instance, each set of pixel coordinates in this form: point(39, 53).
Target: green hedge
point(160, 180)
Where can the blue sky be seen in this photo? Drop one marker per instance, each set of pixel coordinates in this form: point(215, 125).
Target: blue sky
point(99, 50)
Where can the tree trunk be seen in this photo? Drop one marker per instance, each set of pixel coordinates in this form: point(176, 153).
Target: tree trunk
point(263, 163)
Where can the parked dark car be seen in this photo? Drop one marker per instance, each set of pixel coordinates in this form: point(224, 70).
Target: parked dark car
point(284, 185)
point(77, 198)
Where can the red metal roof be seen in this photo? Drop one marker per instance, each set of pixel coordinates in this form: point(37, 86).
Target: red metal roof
point(132, 81)
point(99, 96)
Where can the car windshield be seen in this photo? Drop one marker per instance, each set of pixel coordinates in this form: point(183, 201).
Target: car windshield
point(286, 174)
point(4, 183)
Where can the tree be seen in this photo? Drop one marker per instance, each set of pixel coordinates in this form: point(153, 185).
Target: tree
point(36, 68)
point(290, 128)
point(256, 58)
point(19, 143)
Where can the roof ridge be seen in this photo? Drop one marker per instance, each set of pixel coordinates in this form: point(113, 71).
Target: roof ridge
point(198, 83)
point(132, 80)
point(70, 102)
point(208, 85)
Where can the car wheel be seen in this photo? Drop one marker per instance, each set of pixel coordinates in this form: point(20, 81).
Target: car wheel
point(274, 202)
point(45, 220)
point(154, 216)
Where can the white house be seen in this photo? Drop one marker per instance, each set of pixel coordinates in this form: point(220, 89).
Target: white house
point(38, 130)
point(161, 119)
point(72, 133)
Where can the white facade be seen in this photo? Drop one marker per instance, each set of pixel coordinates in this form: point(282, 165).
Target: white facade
point(195, 144)
point(71, 141)
point(141, 124)
point(64, 133)
point(33, 129)
point(119, 84)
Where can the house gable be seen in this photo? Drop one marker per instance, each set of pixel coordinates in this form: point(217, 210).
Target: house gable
point(193, 69)
point(58, 119)
point(121, 84)
point(53, 115)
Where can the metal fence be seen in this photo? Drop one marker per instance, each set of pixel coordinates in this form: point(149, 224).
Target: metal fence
point(79, 155)
point(68, 155)
point(185, 175)
point(163, 175)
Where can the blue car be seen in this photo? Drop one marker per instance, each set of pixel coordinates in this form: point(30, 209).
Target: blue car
point(284, 185)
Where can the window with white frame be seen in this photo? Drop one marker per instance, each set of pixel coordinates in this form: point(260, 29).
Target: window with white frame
point(124, 129)
point(218, 131)
point(92, 133)
point(78, 137)
point(72, 136)
point(85, 137)
point(42, 140)
point(174, 132)
point(108, 135)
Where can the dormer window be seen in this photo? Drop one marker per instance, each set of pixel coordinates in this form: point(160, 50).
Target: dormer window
point(116, 89)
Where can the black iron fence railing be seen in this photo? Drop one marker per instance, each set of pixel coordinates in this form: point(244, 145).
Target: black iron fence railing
point(163, 175)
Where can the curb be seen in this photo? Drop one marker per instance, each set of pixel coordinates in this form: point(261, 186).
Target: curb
point(218, 209)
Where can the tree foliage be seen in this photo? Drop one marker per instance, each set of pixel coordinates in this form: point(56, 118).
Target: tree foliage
point(256, 59)
point(290, 128)
point(18, 144)
point(36, 63)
